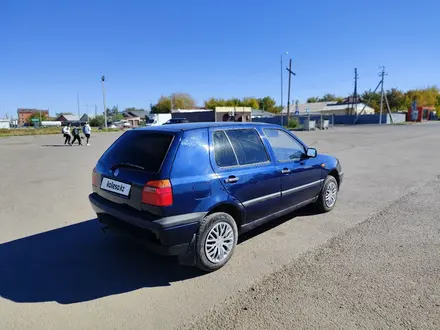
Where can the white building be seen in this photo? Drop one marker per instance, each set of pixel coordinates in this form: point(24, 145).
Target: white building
point(330, 108)
point(5, 123)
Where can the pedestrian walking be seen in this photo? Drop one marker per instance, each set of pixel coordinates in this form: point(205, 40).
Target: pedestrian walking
point(75, 133)
point(87, 132)
point(66, 134)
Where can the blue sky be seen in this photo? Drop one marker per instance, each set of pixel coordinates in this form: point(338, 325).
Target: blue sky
point(52, 50)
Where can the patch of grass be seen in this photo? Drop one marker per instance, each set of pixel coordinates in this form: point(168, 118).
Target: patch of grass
point(43, 131)
point(30, 131)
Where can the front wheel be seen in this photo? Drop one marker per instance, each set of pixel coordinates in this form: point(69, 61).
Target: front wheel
point(216, 241)
point(328, 195)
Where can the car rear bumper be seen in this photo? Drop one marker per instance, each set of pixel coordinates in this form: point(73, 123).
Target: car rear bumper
point(166, 236)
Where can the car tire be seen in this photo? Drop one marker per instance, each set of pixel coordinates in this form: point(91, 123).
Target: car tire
point(208, 250)
point(328, 196)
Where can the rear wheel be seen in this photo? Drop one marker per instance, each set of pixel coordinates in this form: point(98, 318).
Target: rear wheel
point(216, 241)
point(328, 195)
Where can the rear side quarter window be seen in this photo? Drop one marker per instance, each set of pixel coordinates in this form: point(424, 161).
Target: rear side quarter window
point(239, 147)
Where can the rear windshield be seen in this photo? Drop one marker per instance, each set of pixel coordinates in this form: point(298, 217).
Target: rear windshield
point(141, 148)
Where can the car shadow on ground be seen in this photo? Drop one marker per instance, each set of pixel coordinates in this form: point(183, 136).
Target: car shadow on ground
point(79, 263)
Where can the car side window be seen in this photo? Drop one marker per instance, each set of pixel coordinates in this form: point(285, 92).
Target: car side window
point(285, 147)
point(248, 146)
point(223, 152)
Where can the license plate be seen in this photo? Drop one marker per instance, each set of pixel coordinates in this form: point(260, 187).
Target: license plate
point(115, 186)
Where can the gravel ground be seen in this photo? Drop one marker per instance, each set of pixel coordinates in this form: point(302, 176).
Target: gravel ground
point(383, 274)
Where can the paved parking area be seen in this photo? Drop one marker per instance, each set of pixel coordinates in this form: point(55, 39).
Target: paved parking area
point(58, 271)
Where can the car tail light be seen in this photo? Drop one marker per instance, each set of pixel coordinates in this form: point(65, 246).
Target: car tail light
point(95, 178)
point(158, 193)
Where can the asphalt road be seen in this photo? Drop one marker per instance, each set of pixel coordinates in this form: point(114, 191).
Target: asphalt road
point(58, 271)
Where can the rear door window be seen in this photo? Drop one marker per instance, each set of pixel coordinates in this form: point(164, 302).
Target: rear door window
point(223, 152)
point(248, 147)
point(140, 148)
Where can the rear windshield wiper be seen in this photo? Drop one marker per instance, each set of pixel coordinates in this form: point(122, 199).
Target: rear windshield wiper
point(128, 165)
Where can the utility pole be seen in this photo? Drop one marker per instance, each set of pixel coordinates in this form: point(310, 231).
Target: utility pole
point(96, 110)
point(289, 69)
point(382, 75)
point(103, 100)
point(355, 97)
point(77, 101)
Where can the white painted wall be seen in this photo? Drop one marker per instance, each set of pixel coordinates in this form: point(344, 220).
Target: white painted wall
point(4, 123)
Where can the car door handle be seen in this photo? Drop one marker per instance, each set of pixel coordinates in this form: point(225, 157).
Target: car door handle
point(232, 179)
point(285, 171)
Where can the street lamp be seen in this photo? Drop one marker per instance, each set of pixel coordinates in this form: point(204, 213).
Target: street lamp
point(103, 100)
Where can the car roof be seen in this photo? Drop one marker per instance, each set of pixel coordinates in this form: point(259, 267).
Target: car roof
point(198, 125)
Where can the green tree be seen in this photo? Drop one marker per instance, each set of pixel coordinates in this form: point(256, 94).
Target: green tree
point(371, 99)
point(163, 105)
point(313, 99)
point(396, 99)
point(267, 104)
point(250, 102)
point(179, 101)
point(328, 98)
point(213, 102)
point(36, 116)
point(97, 121)
point(118, 116)
point(183, 101)
point(424, 97)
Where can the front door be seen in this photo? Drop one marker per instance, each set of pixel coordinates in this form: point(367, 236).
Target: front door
point(243, 165)
point(301, 176)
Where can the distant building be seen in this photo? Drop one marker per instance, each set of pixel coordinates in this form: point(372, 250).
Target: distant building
point(68, 119)
point(134, 117)
point(331, 108)
point(5, 123)
point(85, 118)
point(142, 114)
point(24, 114)
point(240, 114)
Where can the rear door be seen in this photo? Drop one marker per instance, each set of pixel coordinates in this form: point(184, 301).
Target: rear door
point(137, 157)
point(301, 176)
point(244, 167)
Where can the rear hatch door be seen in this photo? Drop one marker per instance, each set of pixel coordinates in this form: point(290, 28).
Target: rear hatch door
point(137, 157)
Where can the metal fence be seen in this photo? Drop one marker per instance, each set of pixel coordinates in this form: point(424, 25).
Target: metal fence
point(321, 121)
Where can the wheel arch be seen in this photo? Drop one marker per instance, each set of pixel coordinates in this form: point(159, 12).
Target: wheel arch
point(334, 173)
point(235, 211)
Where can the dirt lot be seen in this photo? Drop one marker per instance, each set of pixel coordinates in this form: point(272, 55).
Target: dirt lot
point(371, 263)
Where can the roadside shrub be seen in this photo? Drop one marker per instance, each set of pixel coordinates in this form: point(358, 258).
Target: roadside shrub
point(292, 123)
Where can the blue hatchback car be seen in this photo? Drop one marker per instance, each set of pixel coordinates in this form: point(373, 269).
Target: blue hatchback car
point(190, 190)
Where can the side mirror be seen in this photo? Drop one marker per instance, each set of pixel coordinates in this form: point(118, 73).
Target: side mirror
point(311, 152)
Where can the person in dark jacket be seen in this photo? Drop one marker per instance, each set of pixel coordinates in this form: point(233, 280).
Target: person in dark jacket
point(75, 133)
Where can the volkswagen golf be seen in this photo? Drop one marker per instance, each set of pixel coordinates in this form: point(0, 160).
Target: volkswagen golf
point(190, 190)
